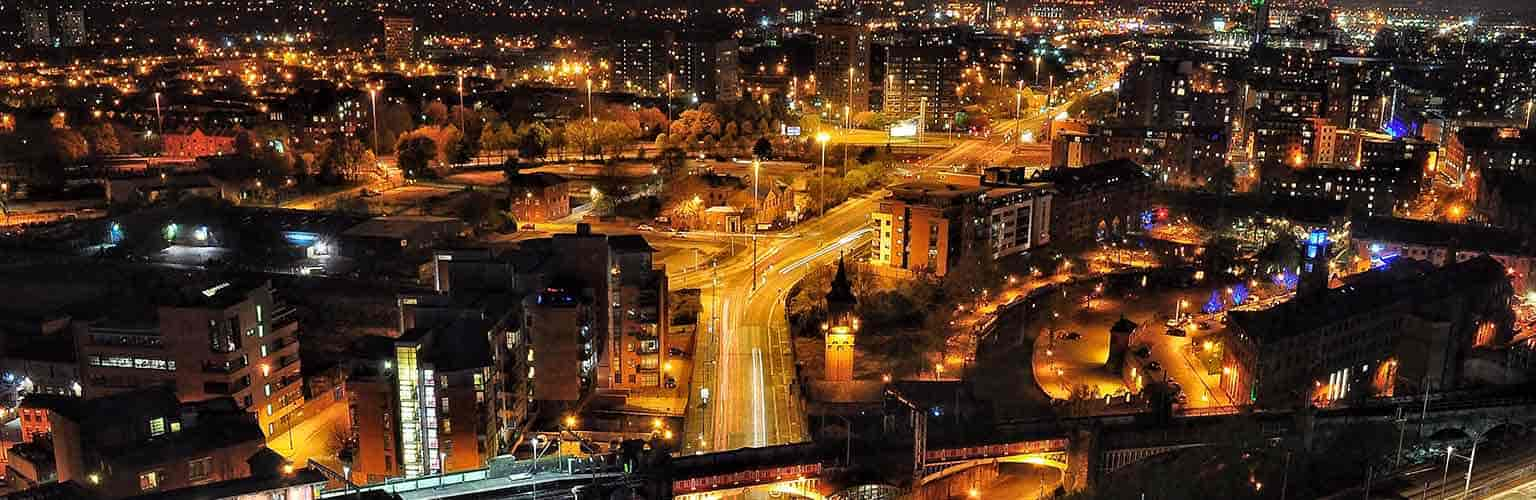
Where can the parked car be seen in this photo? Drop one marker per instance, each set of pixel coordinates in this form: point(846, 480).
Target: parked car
point(527, 227)
point(1072, 336)
point(645, 227)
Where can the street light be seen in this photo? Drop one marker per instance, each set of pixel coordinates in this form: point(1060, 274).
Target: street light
point(757, 208)
point(823, 137)
point(669, 97)
point(373, 109)
point(461, 103)
point(848, 105)
point(160, 120)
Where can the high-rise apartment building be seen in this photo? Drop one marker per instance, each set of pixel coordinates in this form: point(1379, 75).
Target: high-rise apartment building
point(36, 27)
point(399, 36)
point(71, 27)
point(842, 68)
point(704, 64)
point(920, 84)
point(638, 65)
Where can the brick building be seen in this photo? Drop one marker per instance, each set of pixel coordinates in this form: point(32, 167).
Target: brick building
point(145, 441)
point(538, 197)
point(195, 143)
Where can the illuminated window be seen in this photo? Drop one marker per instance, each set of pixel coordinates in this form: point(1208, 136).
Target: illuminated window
point(1484, 334)
point(157, 426)
point(199, 469)
point(149, 480)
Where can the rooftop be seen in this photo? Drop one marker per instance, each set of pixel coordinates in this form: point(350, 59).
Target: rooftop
point(239, 488)
point(924, 190)
point(1440, 234)
point(1497, 138)
point(1097, 174)
point(1404, 281)
point(538, 180)
point(396, 226)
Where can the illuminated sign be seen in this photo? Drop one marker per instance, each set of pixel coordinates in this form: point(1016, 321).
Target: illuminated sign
point(906, 128)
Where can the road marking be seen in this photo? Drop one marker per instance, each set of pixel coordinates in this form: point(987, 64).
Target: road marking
point(759, 413)
point(846, 239)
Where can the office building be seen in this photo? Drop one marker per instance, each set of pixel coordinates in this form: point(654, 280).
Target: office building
point(842, 69)
point(1366, 192)
point(595, 318)
point(441, 374)
point(538, 197)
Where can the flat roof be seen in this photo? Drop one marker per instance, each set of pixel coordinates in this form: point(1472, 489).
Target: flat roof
point(1443, 234)
point(395, 226)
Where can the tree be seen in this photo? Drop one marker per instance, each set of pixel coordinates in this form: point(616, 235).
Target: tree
point(870, 120)
point(483, 211)
point(246, 144)
point(498, 137)
point(697, 122)
point(415, 154)
point(809, 124)
point(868, 155)
point(436, 113)
point(342, 160)
point(102, 138)
point(1223, 181)
point(533, 141)
point(671, 161)
point(394, 119)
point(652, 119)
point(762, 149)
point(61, 148)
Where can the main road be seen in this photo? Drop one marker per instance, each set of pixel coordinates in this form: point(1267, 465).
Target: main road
point(745, 359)
point(745, 392)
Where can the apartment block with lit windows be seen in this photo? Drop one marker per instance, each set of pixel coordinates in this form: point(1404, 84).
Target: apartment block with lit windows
point(920, 83)
point(842, 68)
point(230, 339)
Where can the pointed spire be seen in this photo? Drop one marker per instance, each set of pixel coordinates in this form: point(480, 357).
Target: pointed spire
point(842, 289)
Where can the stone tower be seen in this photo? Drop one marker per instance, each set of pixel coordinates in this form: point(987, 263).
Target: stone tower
point(840, 327)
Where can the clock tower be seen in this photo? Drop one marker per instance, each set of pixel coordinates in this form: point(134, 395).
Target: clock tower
point(841, 326)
